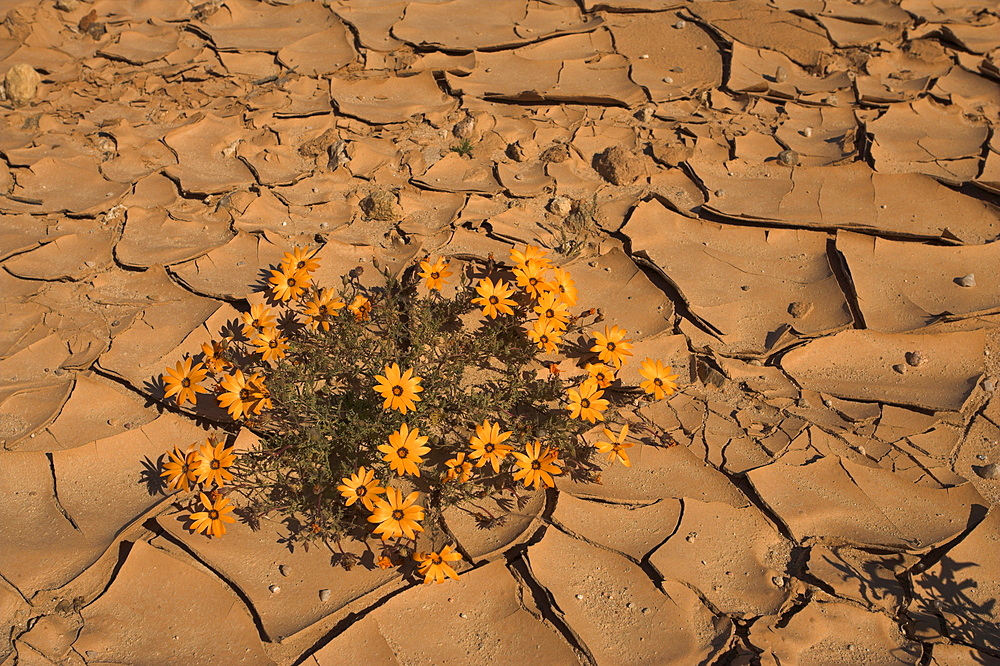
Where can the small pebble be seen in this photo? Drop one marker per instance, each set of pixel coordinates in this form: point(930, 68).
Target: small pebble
point(788, 158)
point(900, 368)
point(966, 280)
point(807, 132)
point(285, 569)
point(324, 595)
point(980, 456)
point(915, 359)
point(680, 25)
point(274, 589)
point(463, 615)
point(667, 79)
point(780, 74)
point(579, 596)
point(720, 193)
point(989, 385)
point(560, 206)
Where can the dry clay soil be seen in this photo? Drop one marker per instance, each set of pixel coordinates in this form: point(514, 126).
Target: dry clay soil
point(794, 202)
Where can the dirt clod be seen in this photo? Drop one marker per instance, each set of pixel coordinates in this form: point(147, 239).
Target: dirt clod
point(21, 84)
point(617, 165)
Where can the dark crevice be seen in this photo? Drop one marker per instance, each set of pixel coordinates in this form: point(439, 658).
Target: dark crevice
point(543, 600)
point(55, 494)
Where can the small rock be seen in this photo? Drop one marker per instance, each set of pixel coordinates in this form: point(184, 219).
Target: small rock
point(557, 153)
point(579, 596)
point(560, 206)
point(21, 84)
point(900, 368)
point(988, 385)
point(807, 132)
point(780, 74)
point(470, 127)
point(463, 615)
point(680, 25)
point(324, 595)
point(381, 205)
point(644, 115)
point(67, 5)
point(966, 280)
point(991, 471)
point(274, 589)
point(788, 158)
point(617, 165)
point(338, 155)
point(284, 569)
point(915, 359)
point(522, 149)
point(800, 309)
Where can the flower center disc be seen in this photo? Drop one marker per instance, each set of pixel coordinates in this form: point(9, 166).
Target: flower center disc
point(658, 381)
point(215, 464)
point(435, 275)
point(213, 514)
point(402, 452)
point(186, 382)
point(397, 390)
point(489, 448)
point(585, 403)
point(361, 491)
point(494, 300)
point(610, 346)
point(397, 514)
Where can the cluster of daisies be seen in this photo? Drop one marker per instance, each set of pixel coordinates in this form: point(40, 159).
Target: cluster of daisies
point(547, 293)
point(260, 341)
point(205, 468)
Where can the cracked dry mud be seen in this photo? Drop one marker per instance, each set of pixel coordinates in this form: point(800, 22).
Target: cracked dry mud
point(793, 202)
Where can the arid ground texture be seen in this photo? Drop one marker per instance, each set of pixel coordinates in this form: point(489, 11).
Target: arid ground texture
point(795, 203)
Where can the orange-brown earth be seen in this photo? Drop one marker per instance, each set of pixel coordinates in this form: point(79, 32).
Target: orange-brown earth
point(794, 202)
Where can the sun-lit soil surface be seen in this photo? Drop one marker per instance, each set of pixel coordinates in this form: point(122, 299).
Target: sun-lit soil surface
point(793, 202)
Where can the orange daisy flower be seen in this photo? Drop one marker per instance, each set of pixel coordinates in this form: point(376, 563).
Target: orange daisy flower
point(531, 278)
point(494, 298)
point(537, 466)
point(214, 461)
point(602, 374)
point(361, 307)
point(396, 516)
point(300, 259)
point(212, 520)
point(545, 334)
point(321, 308)
point(270, 344)
point(552, 308)
point(434, 274)
point(587, 403)
point(434, 566)
point(184, 381)
point(615, 447)
point(361, 486)
point(399, 390)
point(612, 346)
point(404, 450)
point(488, 447)
point(288, 285)
point(257, 319)
point(179, 469)
point(564, 286)
point(659, 382)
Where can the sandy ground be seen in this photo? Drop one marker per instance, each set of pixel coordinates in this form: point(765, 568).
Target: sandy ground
point(794, 202)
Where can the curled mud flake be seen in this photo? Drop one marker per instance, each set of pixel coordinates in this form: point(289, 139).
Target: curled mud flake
point(990, 471)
